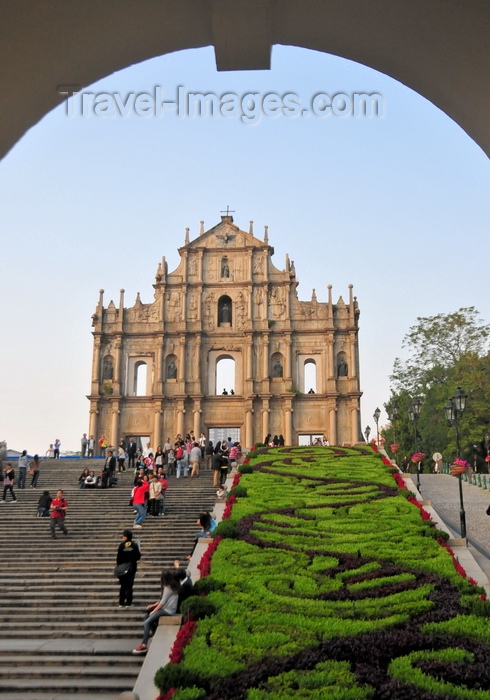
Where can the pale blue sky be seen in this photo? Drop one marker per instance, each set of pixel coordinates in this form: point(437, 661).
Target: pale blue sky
point(398, 206)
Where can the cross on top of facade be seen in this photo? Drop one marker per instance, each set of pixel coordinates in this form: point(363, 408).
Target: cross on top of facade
point(228, 211)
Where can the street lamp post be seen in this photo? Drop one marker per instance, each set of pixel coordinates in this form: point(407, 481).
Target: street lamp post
point(454, 410)
point(367, 433)
point(413, 415)
point(376, 416)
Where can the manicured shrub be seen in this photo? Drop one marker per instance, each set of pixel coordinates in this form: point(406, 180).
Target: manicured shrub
point(197, 608)
point(189, 694)
point(175, 676)
point(207, 585)
point(239, 492)
point(227, 529)
point(245, 469)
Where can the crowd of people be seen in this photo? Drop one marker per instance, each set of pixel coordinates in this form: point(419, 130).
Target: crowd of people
point(179, 458)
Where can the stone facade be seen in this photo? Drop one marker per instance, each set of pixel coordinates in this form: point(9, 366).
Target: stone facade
point(227, 300)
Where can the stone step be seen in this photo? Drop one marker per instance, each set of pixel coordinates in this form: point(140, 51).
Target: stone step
point(16, 632)
point(66, 672)
point(59, 602)
point(71, 616)
point(69, 686)
point(53, 695)
point(126, 659)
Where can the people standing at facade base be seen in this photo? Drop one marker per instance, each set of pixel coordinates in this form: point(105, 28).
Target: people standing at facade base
point(58, 508)
point(131, 450)
point(83, 445)
point(57, 448)
point(8, 483)
point(103, 444)
point(34, 470)
point(91, 446)
point(23, 466)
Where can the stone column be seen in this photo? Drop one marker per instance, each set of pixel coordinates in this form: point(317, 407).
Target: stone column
point(181, 366)
point(158, 388)
point(114, 439)
point(180, 420)
point(197, 369)
point(157, 429)
point(287, 361)
point(265, 362)
point(249, 438)
point(117, 367)
point(353, 425)
point(332, 435)
point(92, 427)
point(197, 418)
point(248, 361)
point(331, 369)
point(288, 425)
point(96, 366)
point(352, 355)
point(265, 419)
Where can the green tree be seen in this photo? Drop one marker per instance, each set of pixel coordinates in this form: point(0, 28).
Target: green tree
point(445, 351)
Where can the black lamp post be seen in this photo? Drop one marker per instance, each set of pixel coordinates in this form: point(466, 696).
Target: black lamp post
point(453, 410)
point(413, 415)
point(376, 416)
point(367, 432)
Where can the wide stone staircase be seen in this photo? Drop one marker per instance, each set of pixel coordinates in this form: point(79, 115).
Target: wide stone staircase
point(62, 631)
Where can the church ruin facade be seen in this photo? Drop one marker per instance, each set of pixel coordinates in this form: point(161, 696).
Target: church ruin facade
point(294, 364)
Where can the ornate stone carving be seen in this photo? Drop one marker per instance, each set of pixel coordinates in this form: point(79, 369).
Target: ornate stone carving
point(241, 311)
point(143, 312)
point(193, 267)
point(277, 302)
point(258, 267)
point(192, 307)
point(240, 270)
point(173, 306)
point(210, 269)
point(209, 310)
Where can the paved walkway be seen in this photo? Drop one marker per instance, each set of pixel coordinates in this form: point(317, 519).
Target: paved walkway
point(443, 491)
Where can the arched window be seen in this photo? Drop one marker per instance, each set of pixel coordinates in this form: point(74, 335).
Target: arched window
point(225, 311)
point(225, 375)
point(140, 377)
point(310, 377)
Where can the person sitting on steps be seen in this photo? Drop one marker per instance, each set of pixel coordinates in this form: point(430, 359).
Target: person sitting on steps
point(167, 605)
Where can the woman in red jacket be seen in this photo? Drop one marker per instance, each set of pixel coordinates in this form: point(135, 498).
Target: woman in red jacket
point(140, 497)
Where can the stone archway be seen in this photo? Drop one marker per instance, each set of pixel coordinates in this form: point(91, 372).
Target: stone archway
point(440, 50)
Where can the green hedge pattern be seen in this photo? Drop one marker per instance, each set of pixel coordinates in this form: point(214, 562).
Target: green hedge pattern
point(329, 584)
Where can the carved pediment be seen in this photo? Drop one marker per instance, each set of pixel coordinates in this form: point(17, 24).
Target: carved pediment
point(224, 236)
